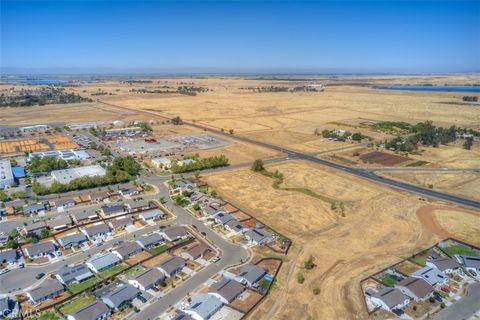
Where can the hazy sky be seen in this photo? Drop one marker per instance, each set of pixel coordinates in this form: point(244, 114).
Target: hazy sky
point(315, 37)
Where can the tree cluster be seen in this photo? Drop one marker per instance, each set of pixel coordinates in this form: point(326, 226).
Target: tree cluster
point(40, 97)
point(201, 164)
point(46, 164)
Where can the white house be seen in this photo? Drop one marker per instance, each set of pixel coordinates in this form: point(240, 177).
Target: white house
point(389, 299)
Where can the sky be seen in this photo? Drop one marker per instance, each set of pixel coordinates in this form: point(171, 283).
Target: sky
point(239, 37)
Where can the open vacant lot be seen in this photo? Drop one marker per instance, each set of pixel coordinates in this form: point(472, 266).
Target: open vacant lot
point(380, 226)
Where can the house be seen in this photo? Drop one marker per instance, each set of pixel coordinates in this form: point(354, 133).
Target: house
point(416, 288)
point(8, 256)
point(443, 264)
point(120, 222)
point(36, 208)
point(147, 279)
point(111, 211)
point(150, 241)
point(174, 234)
point(127, 249)
point(72, 240)
point(226, 290)
point(33, 229)
point(235, 226)
point(128, 192)
point(162, 162)
point(8, 308)
point(389, 299)
point(250, 274)
point(171, 265)
point(151, 215)
point(63, 204)
point(38, 250)
point(470, 263)
point(203, 306)
point(84, 217)
point(134, 205)
point(120, 296)
point(431, 275)
point(258, 236)
point(59, 223)
point(99, 196)
point(223, 217)
point(100, 262)
point(196, 251)
point(47, 290)
point(97, 310)
point(74, 274)
point(183, 185)
point(210, 210)
point(97, 232)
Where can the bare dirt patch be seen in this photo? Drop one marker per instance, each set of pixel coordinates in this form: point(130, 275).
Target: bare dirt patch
point(384, 159)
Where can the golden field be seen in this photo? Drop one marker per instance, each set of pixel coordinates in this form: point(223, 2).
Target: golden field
point(379, 227)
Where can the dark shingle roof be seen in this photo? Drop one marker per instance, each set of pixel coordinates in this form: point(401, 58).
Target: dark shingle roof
point(228, 289)
point(91, 311)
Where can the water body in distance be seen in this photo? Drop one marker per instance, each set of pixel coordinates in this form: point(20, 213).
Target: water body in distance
point(433, 88)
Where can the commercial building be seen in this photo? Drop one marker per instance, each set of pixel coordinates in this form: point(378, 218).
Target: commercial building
point(67, 175)
point(6, 174)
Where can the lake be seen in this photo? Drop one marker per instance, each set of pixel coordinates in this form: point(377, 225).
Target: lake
point(433, 88)
point(38, 82)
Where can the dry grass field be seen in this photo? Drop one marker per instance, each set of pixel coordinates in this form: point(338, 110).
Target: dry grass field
point(380, 226)
point(464, 184)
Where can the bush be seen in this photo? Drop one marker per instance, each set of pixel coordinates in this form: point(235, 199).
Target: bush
point(257, 166)
point(309, 263)
point(316, 291)
point(300, 277)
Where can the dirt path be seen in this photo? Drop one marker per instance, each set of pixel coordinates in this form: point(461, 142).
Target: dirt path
point(426, 216)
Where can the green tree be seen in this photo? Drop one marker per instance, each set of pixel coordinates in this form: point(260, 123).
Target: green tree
point(257, 165)
point(177, 121)
point(231, 131)
point(300, 277)
point(45, 233)
point(357, 136)
point(468, 143)
point(3, 196)
point(309, 263)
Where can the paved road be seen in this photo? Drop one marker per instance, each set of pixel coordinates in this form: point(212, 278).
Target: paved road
point(464, 308)
point(231, 254)
point(363, 173)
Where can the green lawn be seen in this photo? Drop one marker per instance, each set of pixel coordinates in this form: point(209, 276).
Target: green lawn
point(461, 250)
point(77, 287)
point(158, 250)
point(113, 270)
point(134, 272)
point(76, 304)
point(388, 280)
point(264, 284)
point(203, 189)
point(420, 260)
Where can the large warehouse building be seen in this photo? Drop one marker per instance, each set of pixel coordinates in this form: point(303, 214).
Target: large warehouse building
point(67, 175)
point(6, 174)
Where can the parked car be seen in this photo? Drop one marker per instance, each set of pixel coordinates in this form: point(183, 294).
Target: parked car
point(216, 259)
point(40, 275)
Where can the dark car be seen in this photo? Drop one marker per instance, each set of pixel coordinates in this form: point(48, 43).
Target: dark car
point(40, 275)
point(142, 298)
point(203, 234)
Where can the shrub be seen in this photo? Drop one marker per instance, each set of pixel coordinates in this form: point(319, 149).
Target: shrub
point(300, 277)
point(316, 291)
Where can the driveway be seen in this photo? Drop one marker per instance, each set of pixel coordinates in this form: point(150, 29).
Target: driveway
point(463, 308)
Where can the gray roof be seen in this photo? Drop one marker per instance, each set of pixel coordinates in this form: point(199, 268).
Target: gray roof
point(205, 305)
point(99, 195)
point(109, 210)
point(150, 277)
point(8, 256)
point(77, 272)
point(45, 289)
point(62, 220)
point(120, 295)
point(197, 250)
point(258, 235)
point(40, 248)
point(417, 286)
point(431, 275)
point(138, 203)
point(34, 226)
point(63, 202)
point(91, 311)
point(391, 297)
point(171, 264)
point(228, 289)
point(223, 217)
point(251, 273)
point(152, 214)
point(128, 248)
point(150, 239)
point(236, 225)
point(184, 184)
point(470, 262)
point(121, 222)
point(445, 263)
point(97, 229)
point(72, 239)
point(34, 207)
point(83, 215)
point(175, 233)
point(100, 261)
